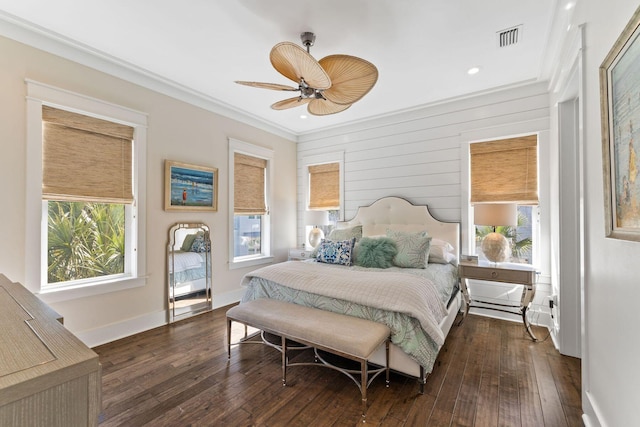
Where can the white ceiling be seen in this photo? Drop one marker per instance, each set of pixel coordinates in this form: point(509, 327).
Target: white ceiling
point(422, 48)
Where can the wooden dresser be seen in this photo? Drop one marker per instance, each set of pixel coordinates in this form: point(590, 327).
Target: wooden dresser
point(48, 377)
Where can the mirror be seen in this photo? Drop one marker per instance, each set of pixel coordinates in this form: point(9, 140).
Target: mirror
point(189, 270)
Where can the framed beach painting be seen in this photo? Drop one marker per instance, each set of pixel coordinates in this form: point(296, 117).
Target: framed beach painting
point(620, 111)
point(190, 187)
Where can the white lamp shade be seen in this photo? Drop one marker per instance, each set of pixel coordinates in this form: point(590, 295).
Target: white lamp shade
point(316, 218)
point(495, 214)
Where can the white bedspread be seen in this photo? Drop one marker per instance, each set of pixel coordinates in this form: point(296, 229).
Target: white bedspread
point(393, 291)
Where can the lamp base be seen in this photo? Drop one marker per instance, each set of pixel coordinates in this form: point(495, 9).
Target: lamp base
point(315, 236)
point(495, 247)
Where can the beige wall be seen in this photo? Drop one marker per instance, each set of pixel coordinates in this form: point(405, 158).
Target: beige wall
point(176, 131)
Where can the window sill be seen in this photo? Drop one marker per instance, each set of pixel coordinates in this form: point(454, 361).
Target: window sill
point(66, 294)
point(250, 262)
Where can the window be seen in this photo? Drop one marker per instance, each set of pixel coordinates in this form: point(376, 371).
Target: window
point(83, 194)
point(324, 191)
point(250, 166)
point(322, 178)
point(324, 186)
point(86, 183)
point(507, 171)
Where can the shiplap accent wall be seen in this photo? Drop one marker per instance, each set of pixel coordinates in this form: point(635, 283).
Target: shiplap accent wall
point(417, 154)
point(421, 155)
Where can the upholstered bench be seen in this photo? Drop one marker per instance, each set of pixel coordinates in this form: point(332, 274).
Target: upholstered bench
point(346, 336)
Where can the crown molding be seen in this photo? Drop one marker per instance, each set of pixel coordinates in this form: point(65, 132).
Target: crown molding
point(41, 38)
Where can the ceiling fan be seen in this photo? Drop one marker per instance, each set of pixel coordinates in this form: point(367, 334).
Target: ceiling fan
point(327, 86)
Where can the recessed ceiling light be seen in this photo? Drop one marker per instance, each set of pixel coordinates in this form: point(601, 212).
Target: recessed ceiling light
point(473, 70)
point(569, 6)
point(303, 116)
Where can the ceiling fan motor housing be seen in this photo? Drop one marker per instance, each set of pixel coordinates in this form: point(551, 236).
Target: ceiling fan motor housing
point(308, 39)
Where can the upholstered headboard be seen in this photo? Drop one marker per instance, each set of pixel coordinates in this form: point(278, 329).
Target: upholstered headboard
point(399, 214)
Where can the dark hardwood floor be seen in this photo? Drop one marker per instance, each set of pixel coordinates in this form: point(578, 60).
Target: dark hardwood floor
point(488, 373)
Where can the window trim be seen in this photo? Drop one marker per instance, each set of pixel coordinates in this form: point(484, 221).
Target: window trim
point(265, 257)
point(39, 94)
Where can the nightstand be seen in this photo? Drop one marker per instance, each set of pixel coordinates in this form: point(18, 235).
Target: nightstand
point(519, 274)
point(299, 254)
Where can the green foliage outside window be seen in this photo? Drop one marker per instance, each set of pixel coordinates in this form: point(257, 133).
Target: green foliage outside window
point(85, 240)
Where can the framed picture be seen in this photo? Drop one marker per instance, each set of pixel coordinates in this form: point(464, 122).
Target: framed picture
point(190, 187)
point(620, 111)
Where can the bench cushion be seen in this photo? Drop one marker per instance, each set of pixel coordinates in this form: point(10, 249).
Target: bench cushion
point(339, 332)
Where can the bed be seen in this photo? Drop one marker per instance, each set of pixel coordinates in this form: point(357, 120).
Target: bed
point(418, 300)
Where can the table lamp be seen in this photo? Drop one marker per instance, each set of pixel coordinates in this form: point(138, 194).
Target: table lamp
point(495, 246)
point(316, 218)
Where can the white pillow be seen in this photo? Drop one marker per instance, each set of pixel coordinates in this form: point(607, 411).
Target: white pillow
point(441, 252)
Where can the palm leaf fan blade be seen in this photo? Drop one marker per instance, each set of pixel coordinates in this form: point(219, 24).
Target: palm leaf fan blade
point(295, 63)
point(273, 86)
point(290, 103)
point(351, 77)
point(324, 107)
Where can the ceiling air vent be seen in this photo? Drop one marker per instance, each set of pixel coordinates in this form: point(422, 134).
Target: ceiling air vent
point(510, 36)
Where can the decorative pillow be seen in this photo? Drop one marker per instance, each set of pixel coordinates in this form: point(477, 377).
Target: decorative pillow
point(413, 249)
point(375, 253)
point(345, 233)
point(199, 244)
point(341, 234)
point(336, 252)
point(187, 242)
point(441, 252)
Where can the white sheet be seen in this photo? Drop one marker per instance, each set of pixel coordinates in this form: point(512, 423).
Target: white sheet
point(183, 261)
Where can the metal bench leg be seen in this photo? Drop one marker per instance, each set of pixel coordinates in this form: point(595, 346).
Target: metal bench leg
point(284, 361)
point(228, 338)
point(364, 379)
point(387, 360)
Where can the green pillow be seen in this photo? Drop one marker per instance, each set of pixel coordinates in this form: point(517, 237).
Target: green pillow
point(413, 249)
point(188, 242)
point(375, 253)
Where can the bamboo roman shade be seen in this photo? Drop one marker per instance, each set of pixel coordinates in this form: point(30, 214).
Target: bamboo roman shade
point(505, 171)
point(85, 159)
point(324, 186)
point(249, 185)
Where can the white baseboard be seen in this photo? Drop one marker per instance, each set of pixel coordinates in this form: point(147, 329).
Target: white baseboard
point(590, 416)
point(128, 327)
point(227, 298)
